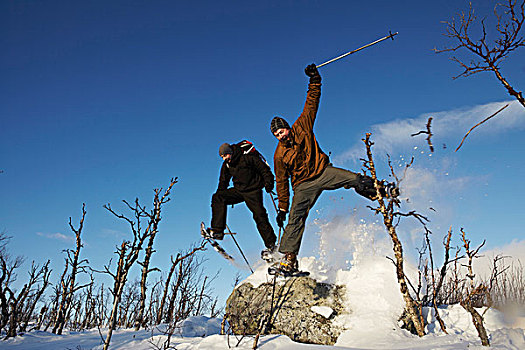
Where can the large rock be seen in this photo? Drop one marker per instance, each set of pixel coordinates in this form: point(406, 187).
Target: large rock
point(302, 309)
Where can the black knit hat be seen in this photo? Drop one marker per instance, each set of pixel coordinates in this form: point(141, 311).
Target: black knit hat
point(225, 149)
point(278, 123)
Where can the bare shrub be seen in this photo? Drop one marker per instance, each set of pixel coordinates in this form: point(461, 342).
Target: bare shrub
point(17, 306)
point(187, 293)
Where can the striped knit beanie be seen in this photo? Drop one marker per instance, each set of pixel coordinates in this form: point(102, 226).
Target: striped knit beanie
point(278, 123)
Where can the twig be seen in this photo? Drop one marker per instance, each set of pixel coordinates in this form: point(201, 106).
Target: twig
point(478, 124)
point(428, 132)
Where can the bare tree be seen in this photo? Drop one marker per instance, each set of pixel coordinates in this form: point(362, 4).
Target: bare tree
point(4, 307)
point(154, 300)
point(41, 317)
point(129, 304)
point(387, 210)
point(69, 282)
point(8, 266)
point(463, 287)
point(128, 253)
point(506, 284)
point(474, 293)
point(45, 273)
point(17, 302)
point(154, 220)
point(4, 240)
point(52, 307)
point(189, 293)
point(488, 56)
point(89, 306)
point(180, 257)
point(102, 309)
point(435, 288)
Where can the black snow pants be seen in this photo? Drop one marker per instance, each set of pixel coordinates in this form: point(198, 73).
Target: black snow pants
point(254, 201)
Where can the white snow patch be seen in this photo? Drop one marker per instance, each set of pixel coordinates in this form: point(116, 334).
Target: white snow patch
point(324, 311)
point(200, 326)
point(374, 304)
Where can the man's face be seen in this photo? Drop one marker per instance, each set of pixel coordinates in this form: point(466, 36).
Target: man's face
point(227, 157)
point(282, 134)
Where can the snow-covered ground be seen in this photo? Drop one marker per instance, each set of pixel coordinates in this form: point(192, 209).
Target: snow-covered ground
point(350, 255)
point(374, 304)
point(203, 334)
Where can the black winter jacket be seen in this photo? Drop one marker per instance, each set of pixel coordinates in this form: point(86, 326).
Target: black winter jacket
point(248, 171)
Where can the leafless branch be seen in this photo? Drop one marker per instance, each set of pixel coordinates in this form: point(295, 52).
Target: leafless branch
point(488, 55)
point(478, 124)
point(428, 132)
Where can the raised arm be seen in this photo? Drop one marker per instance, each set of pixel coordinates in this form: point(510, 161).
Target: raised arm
point(313, 96)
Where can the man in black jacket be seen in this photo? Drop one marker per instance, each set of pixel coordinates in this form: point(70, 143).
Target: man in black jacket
point(250, 174)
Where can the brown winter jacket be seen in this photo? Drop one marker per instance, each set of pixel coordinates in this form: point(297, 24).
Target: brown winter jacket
point(300, 159)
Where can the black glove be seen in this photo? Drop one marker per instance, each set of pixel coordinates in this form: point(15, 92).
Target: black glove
point(268, 187)
point(281, 218)
point(313, 73)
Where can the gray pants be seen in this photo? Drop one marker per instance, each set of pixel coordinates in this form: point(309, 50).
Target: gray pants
point(306, 194)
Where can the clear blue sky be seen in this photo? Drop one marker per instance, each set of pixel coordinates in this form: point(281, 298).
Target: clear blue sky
point(105, 100)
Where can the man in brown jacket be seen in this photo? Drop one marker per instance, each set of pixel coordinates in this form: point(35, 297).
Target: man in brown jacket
point(299, 158)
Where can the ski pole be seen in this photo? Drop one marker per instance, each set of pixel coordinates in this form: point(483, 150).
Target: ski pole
point(238, 246)
point(359, 49)
point(277, 211)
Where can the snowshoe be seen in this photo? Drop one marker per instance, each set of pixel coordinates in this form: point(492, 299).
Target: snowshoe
point(287, 267)
point(207, 235)
point(211, 233)
point(278, 271)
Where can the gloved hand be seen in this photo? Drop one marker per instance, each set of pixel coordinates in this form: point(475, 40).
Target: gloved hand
point(313, 73)
point(268, 187)
point(281, 218)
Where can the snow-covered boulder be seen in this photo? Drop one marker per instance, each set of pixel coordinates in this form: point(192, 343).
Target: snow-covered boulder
point(302, 308)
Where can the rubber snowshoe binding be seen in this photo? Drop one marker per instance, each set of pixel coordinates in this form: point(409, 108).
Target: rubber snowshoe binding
point(268, 254)
point(215, 234)
point(391, 190)
point(288, 265)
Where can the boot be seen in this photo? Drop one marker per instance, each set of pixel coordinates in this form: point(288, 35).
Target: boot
point(289, 264)
point(216, 234)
